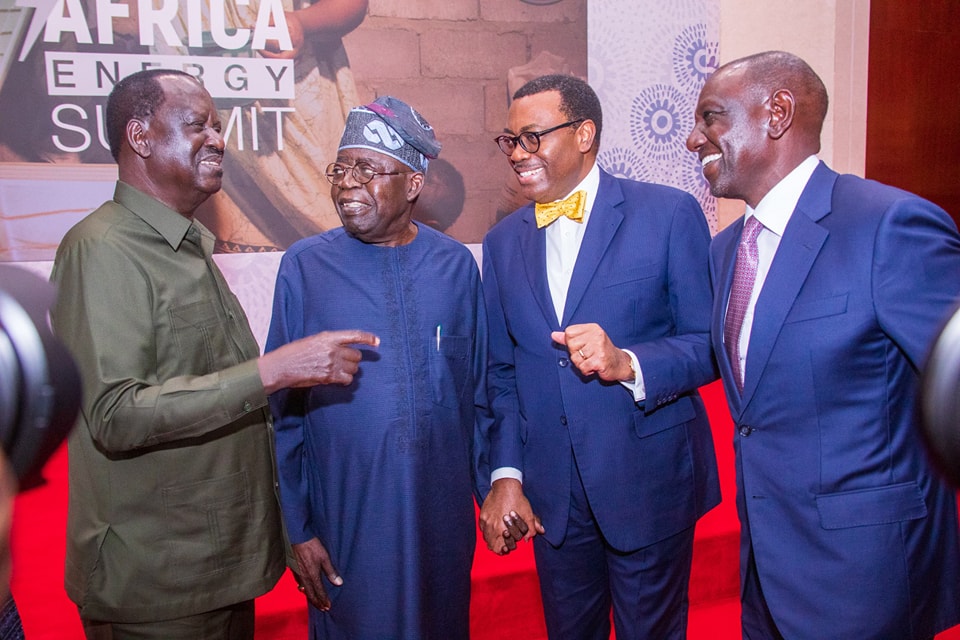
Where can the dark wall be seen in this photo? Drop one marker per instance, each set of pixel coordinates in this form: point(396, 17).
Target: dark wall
point(913, 99)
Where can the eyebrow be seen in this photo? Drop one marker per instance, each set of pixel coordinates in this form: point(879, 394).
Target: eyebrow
point(525, 128)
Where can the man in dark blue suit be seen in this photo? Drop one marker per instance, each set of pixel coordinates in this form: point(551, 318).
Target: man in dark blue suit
point(604, 454)
point(846, 530)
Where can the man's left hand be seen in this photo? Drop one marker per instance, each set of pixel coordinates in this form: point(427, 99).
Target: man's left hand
point(592, 352)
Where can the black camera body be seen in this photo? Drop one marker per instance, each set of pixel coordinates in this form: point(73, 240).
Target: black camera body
point(39, 383)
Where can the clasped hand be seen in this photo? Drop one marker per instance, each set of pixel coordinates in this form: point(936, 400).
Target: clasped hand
point(506, 517)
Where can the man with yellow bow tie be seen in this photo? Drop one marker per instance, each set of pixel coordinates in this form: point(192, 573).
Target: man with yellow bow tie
point(603, 455)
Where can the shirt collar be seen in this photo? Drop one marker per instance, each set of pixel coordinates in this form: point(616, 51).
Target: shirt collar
point(168, 223)
point(775, 209)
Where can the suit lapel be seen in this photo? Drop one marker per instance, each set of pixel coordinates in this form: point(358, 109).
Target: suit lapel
point(725, 269)
point(533, 247)
point(604, 221)
point(802, 241)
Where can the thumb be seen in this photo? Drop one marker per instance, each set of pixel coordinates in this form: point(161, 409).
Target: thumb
point(559, 336)
point(332, 574)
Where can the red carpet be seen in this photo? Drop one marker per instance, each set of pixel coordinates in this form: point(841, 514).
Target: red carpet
point(506, 599)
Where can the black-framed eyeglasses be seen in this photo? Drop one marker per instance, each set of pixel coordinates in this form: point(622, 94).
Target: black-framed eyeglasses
point(362, 172)
point(529, 141)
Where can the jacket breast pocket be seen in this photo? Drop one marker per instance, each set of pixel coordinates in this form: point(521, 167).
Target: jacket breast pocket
point(200, 336)
point(449, 369)
point(632, 275)
point(821, 308)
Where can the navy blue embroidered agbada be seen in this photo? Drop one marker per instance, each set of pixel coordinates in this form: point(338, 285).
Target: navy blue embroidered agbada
point(380, 470)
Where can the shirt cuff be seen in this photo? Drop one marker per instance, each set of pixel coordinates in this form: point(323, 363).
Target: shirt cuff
point(506, 472)
point(636, 385)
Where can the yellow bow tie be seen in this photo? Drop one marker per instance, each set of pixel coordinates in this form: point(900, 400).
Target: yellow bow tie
point(572, 207)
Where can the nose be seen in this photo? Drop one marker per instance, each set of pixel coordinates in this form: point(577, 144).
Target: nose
point(350, 176)
point(215, 139)
point(519, 154)
point(696, 138)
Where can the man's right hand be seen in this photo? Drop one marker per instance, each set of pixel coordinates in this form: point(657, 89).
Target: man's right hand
point(323, 358)
point(314, 563)
point(506, 517)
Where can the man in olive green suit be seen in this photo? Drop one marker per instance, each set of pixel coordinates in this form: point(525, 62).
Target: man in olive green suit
point(173, 523)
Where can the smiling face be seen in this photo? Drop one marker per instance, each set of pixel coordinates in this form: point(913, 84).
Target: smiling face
point(565, 156)
point(730, 136)
point(377, 212)
point(184, 147)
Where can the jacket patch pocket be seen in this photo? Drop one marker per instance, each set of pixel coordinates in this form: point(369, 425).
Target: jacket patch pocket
point(207, 522)
point(864, 507)
point(199, 332)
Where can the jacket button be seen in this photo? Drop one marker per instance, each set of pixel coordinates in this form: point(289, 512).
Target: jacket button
point(247, 407)
point(563, 362)
point(745, 430)
point(563, 420)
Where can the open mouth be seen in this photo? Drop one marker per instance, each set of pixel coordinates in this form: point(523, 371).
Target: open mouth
point(526, 175)
point(713, 157)
point(352, 207)
point(215, 162)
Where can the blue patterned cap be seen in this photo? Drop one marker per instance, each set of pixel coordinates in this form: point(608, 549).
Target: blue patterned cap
point(392, 127)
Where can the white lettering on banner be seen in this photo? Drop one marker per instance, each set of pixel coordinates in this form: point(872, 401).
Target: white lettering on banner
point(236, 120)
point(84, 136)
point(59, 17)
point(94, 74)
point(76, 126)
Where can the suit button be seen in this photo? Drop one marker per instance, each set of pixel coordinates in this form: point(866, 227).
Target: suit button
point(563, 362)
point(563, 420)
point(247, 407)
point(745, 430)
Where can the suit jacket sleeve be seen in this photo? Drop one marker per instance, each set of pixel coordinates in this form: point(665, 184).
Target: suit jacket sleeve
point(916, 275)
point(682, 362)
point(504, 447)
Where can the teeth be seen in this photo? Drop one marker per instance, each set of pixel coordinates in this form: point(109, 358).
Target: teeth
point(710, 158)
point(529, 172)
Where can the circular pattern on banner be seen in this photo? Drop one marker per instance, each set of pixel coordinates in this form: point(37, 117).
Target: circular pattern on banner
point(609, 69)
point(660, 120)
point(625, 163)
point(694, 57)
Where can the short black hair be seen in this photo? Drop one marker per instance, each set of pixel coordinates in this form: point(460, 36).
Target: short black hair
point(135, 96)
point(771, 70)
point(577, 98)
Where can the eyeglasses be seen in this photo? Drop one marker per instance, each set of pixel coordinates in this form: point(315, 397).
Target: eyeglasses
point(529, 140)
point(361, 172)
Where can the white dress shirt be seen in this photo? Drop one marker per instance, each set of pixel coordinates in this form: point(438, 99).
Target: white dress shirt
point(774, 212)
point(563, 239)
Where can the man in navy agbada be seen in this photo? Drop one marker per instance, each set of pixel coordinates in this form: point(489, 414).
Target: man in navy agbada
point(846, 531)
point(375, 477)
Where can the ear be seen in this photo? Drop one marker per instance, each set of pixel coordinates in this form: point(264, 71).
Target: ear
point(782, 108)
point(415, 182)
point(586, 133)
point(136, 132)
